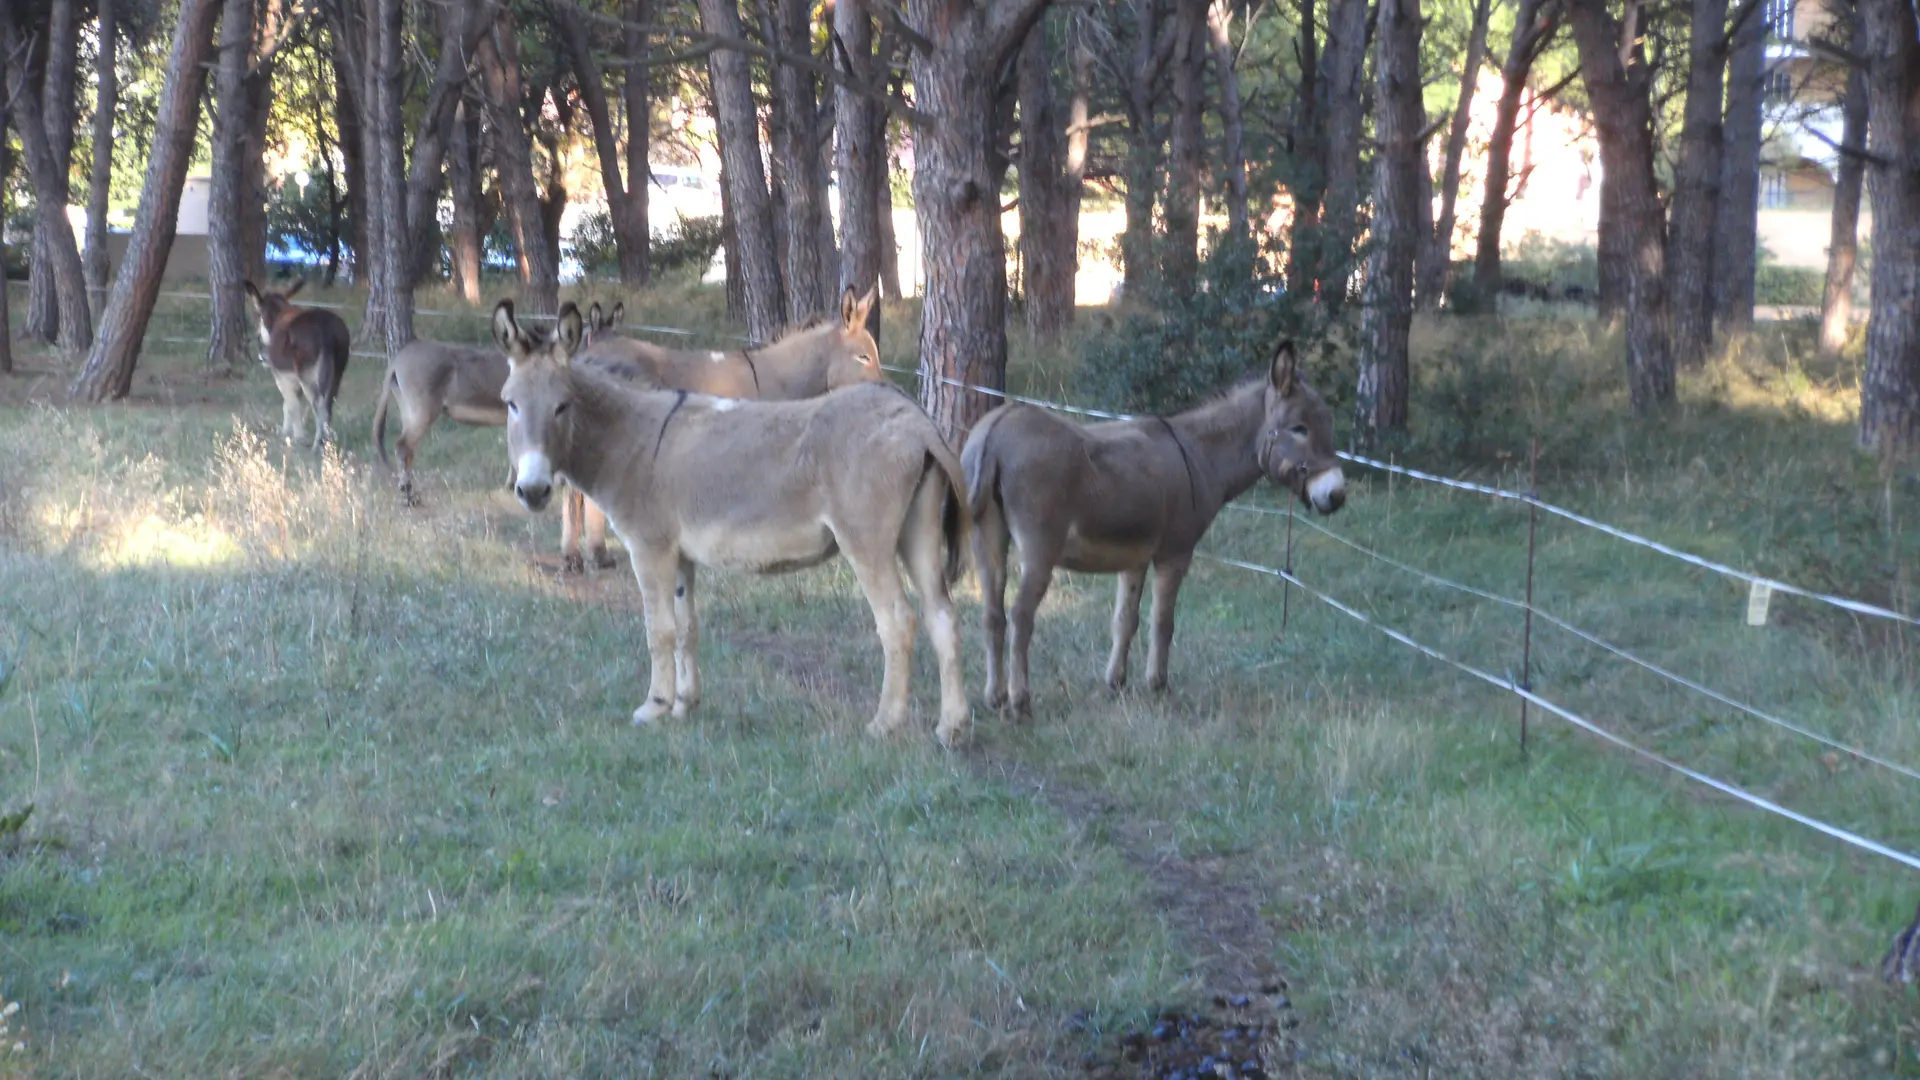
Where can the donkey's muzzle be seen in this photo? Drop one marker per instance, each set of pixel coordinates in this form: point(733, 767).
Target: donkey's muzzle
point(533, 494)
point(1326, 492)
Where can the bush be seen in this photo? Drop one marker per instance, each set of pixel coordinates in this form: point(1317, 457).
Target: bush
point(1798, 285)
point(687, 246)
point(1179, 349)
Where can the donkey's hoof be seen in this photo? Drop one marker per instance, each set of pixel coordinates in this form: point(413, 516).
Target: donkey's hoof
point(884, 725)
point(952, 732)
point(1157, 684)
point(408, 499)
point(683, 706)
point(573, 564)
point(653, 710)
point(996, 698)
point(1022, 706)
point(1117, 683)
point(603, 560)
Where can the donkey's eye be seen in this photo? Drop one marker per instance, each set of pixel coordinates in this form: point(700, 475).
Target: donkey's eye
point(561, 408)
point(512, 409)
point(1299, 430)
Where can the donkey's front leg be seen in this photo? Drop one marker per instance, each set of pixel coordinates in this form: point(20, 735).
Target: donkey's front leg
point(1167, 577)
point(879, 576)
point(1126, 620)
point(686, 650)
point(657, 573)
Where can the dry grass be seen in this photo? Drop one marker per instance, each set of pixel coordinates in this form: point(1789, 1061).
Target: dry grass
point(327, 787)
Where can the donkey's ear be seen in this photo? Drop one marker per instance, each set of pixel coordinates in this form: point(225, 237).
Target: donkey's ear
point(567, 331)
point(849, 308)
point(593, 316)
point(507, 333)
point(299, 283)
point(252, 293)
point(866, 304)
point(1283, 376)
point(618, 315)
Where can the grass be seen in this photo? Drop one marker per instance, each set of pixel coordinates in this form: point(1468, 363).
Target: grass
point(325, 787)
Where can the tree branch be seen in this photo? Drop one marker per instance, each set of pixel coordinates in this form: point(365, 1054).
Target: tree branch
point(1820, 46)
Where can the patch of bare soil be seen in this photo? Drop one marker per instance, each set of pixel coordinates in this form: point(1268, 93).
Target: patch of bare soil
point(1214, 913)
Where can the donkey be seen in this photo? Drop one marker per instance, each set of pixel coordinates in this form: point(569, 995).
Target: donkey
point(690, 480)
point(802, 364)
point(1118, 497)
point(307, 352)
point(431, 378)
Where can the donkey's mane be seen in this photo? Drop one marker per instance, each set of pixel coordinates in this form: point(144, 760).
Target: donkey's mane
point(1217, 412)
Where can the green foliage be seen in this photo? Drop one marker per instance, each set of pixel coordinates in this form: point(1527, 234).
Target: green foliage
point(1178, 349)
point(305, 217)
point(1792, 285)
point(685, 248)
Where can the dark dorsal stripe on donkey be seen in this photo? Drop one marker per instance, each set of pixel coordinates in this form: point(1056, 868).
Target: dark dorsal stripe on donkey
point(306, 349)
point(691, 480)
point(801, 364)
point(1122, 496)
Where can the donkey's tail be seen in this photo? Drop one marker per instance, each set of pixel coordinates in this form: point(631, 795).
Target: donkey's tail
point(981, 467)
point(380, 415)
point(956, 517)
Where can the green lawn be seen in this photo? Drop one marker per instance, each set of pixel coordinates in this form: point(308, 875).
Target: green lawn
point(322, 786)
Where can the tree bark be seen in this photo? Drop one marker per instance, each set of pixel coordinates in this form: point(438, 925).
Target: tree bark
point(1436, 255)
point(347, 109)
point(49, 313)
point(744, 174)
point(463, 177)
point(232, 337)
point(730, 243)
point(100, 176)
point(1309, 147)
point(889, 243)
point(1233, 138)
point(636, 258)
point(963, 330)
point(61, 268)
point(1836, 309)
point(1186, 147)
point(108, 374)
point(626, 195)
point(1610, 299)
point(392, 290)
point(6, 169)
point(1386, 313)
point(788, 27)
point(1890, 386)
point(1696, 187)
point(1619, 84)
point(498, 57)
point(1343, 101)
point(269, 35)
point(860, 155)
point(1532, 27)
point(1047, 232)
point(1153, 45)
point(462, 26)
point(1736, 243)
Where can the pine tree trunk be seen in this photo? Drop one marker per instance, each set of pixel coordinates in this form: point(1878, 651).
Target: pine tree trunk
point(730, 244)
point(6, 210)
point(232, 336)
point(636, 255)
point(61, 269)
point(795, 144)
point(462, 25)
point(1696, 188)
point(100, 176)
point(1436, 254)
point(1309, 146)
point(963, 325)
point(626, 195)
point(49, 314)
point(1890, 387)
point(1386, 314)
point(347, 108)
point(1531, 27)
point(1736, 241)
point(889, 243)
point(744, 175)
point(860, 153)
point(108, 374)
point(1836, 310)
point(499, 60)
point(1623, 119)
point(1186, 145)
point(1612, 248)
point(1046, 270)
point(269, 32)
point(392, 289)
point(463, 178)
point(1343, 100)
point(1233, 137)
point(1153, 43)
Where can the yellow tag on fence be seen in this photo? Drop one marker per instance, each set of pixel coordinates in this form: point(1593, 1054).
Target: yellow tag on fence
point(1758, 597)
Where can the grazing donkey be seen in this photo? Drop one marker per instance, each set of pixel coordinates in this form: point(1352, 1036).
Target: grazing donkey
point(1118, 497)
point(802, 364)
point(430, 378)
point(307, 352)
point(691, 480)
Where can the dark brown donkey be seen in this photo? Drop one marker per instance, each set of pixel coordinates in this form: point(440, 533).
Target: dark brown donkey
point(307, 353)
point(1118, 497)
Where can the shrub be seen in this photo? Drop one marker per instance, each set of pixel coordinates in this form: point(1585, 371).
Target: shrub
point(685, 247)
